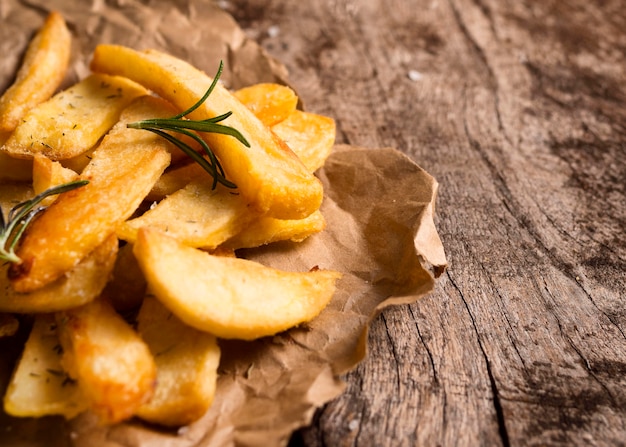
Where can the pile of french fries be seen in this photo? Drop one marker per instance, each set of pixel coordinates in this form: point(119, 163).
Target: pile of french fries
point(130, 281)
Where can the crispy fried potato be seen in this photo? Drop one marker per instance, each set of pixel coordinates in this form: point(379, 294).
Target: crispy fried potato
point(174, 179)
point(266, 230)
point(80, 162)
point(186, 361)
point(268, 174)
point(79, 286)
point(309, 135)
point(121, 173)
point(127, 287)
point(48, 174)
point(41, 73)
point(229, 297)
point(73, 121)
point(271, 103)
point(197, 215)
point(40, 386)
point(8, 325)
point(112, 365)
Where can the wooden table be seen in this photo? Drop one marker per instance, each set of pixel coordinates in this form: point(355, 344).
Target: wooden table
point(519, 110)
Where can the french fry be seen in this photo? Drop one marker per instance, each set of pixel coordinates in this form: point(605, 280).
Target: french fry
point(47, 174)
point(229, 297)
point(271, 103)
point(196, 215)
point(112, 365)
point(265, 230)
point(121, 173)
point(41, 73)
point(186, 361)
point(79, 286)
point(174, 179)
point(309, 135)
point(268, 174)
point(72, 121)
point(39, 385)
point(162, 108)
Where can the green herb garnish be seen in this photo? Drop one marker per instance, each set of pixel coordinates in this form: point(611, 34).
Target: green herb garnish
point(21, 215)
point(181, 125)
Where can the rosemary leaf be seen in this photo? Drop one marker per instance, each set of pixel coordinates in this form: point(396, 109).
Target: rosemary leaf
point(179, 124)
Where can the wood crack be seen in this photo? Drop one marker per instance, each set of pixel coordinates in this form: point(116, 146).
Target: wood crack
point(511, 206)
point(497, 404)
point(585, 361)
point(482, 57)
point(396, 357)
point(431, 359)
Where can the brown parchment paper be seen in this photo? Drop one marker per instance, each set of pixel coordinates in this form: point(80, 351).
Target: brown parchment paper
point(379, 208)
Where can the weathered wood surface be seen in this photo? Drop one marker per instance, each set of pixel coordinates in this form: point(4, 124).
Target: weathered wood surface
point(519, 110)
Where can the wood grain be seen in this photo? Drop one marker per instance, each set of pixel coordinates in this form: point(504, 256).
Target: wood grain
point(519, 110)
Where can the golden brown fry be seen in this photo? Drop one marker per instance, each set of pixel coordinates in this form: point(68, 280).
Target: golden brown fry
point(121, 173)
point(268, 174)
point(79, 286)
point(48, 174)
point(309, 135)
point(186, 361)
point(41, 73)
point(40, 386)
point(196, 215)
point(266, 230)
point(271, 103)
point(229, 297)
point(175, 179)
point(112, 365)
point(72, 121)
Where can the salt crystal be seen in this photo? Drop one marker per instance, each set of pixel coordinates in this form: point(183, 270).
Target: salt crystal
point(415, 75)
point(273, 31)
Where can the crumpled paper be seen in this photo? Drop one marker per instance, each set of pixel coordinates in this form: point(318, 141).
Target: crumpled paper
point(380, 234)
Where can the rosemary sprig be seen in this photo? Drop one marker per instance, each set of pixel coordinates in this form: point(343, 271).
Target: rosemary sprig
point(12, 228)
point(179, 124)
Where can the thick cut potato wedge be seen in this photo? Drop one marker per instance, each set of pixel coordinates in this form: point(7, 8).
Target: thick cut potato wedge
point(268, 174)
point(111, 363)
point(229, 297)
point(79, 286)
point(196, 215)
point(266, 230)
point(48, 174)
point(309, 135)
point(41, 73)
point(271, 103)
point(121, 173)
point(186, 361)
point(40, 386)
point(72, 121)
